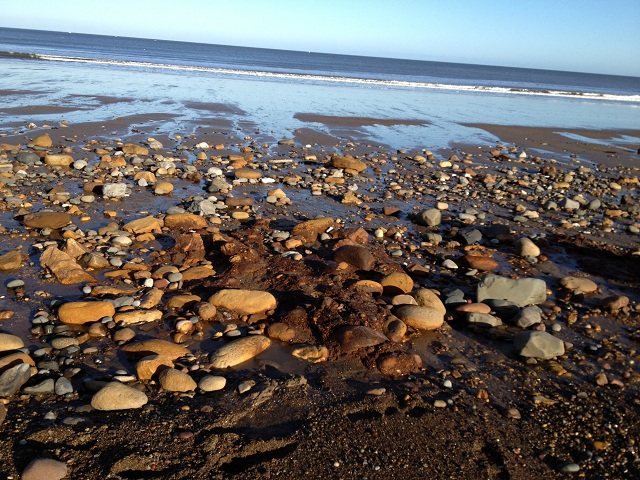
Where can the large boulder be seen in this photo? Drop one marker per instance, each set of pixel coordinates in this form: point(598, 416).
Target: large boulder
point(522, 292)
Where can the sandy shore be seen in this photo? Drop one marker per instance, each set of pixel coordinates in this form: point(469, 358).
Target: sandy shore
point(390, 395)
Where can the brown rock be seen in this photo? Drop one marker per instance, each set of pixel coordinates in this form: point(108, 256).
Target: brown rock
point(579, 285)
point(79, 313)
point(348, 163)
point(355, 337)
point(155, 347)
point(137, 316)
point(43, 140)
point(73, 248)
point(281, 331)
point(118, 396)
point(44, 469)
point(397, 364)
point(147, 367)
point(14, 359)
point(173, 380)
point(312, 228)
point(355, 255)
point(197, 273)
point(189, 248)
point(239, 351)
point(185, 221)
point(133, 149)
point(395, 330)
point(474, 308)
point(368, 286)
point(427, 298)
point(63, 267)
point(245, 302)
point(614, 303)
point(422, 318)
point(248, 173)
point(397, 283)
point(483, 264)
point(183, 300)
point(205, 311)
point(52, 220)
point(163, 188)
point(58, 160)
point(143, 225)
point(10, 261)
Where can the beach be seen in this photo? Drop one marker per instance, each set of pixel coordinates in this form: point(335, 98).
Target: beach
point(221, 262)
point(344, 235)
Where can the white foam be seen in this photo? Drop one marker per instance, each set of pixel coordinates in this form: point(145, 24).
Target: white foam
point(352, 80)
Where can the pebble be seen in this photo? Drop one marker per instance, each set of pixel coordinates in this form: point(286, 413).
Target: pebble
point(117, 396)
point(212, 383)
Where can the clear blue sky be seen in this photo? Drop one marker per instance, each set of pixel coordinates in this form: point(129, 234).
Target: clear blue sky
point(599, 36)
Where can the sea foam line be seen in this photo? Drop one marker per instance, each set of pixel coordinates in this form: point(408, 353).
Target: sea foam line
point(351, 80)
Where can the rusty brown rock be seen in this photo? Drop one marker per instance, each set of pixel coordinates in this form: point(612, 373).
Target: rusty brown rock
point(185, 221)
point(53, 220)
point(63, 267)
point(79, 313)
point(481, 263)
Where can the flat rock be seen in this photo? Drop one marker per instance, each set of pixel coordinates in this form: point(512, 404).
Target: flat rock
point(143, 225)
point(58, 160)
point(185, 221)
point(427, 298)
point(579, 285)
point(44, 469)
point(538, 344)
point(248, 173)
point(358, 256)
point(63, 267)
point(118, 396)
point(522, 292)
point(239, 351)
point(422, 318)
point(474, 308)
point(133, 149)
point(148, 366)
point(397, 283)
point(614, 303)
point(53, 220)
point(173, 380)
point(483, 319)
point(197, 273)
point(312, 228)
point(137, 316)
point(15, 358)
point(355, 337)
point(10, 342)
point(155, 347)
point(10, 261)
point(246, 302)
point(211, 383)
point(348, 163)
point(481, 263)
point(79, 313)
point(43, 140)
point(13, 378)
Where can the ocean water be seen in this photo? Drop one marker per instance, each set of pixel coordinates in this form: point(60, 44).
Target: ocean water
point(266, 89)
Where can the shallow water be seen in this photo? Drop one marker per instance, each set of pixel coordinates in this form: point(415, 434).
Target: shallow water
point(270, 104)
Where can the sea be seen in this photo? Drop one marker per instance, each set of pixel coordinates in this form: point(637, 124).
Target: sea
point(426, 104)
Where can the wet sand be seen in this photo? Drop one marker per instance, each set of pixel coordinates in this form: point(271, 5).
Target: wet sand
point(455, 402)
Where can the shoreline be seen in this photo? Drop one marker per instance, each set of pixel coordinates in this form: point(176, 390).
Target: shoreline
point(467, 403)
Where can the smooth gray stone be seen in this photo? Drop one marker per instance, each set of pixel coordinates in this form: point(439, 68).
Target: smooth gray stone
point(528, 316)
point(522, 292)
point(483, 319)
point(538, 344)
point(46, 386)
point(63, 386)
point(471, 236)
point(12, 379)
point(430, 217)
point(29, 158)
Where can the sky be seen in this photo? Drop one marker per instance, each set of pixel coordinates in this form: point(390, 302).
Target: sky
point(595, 36)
